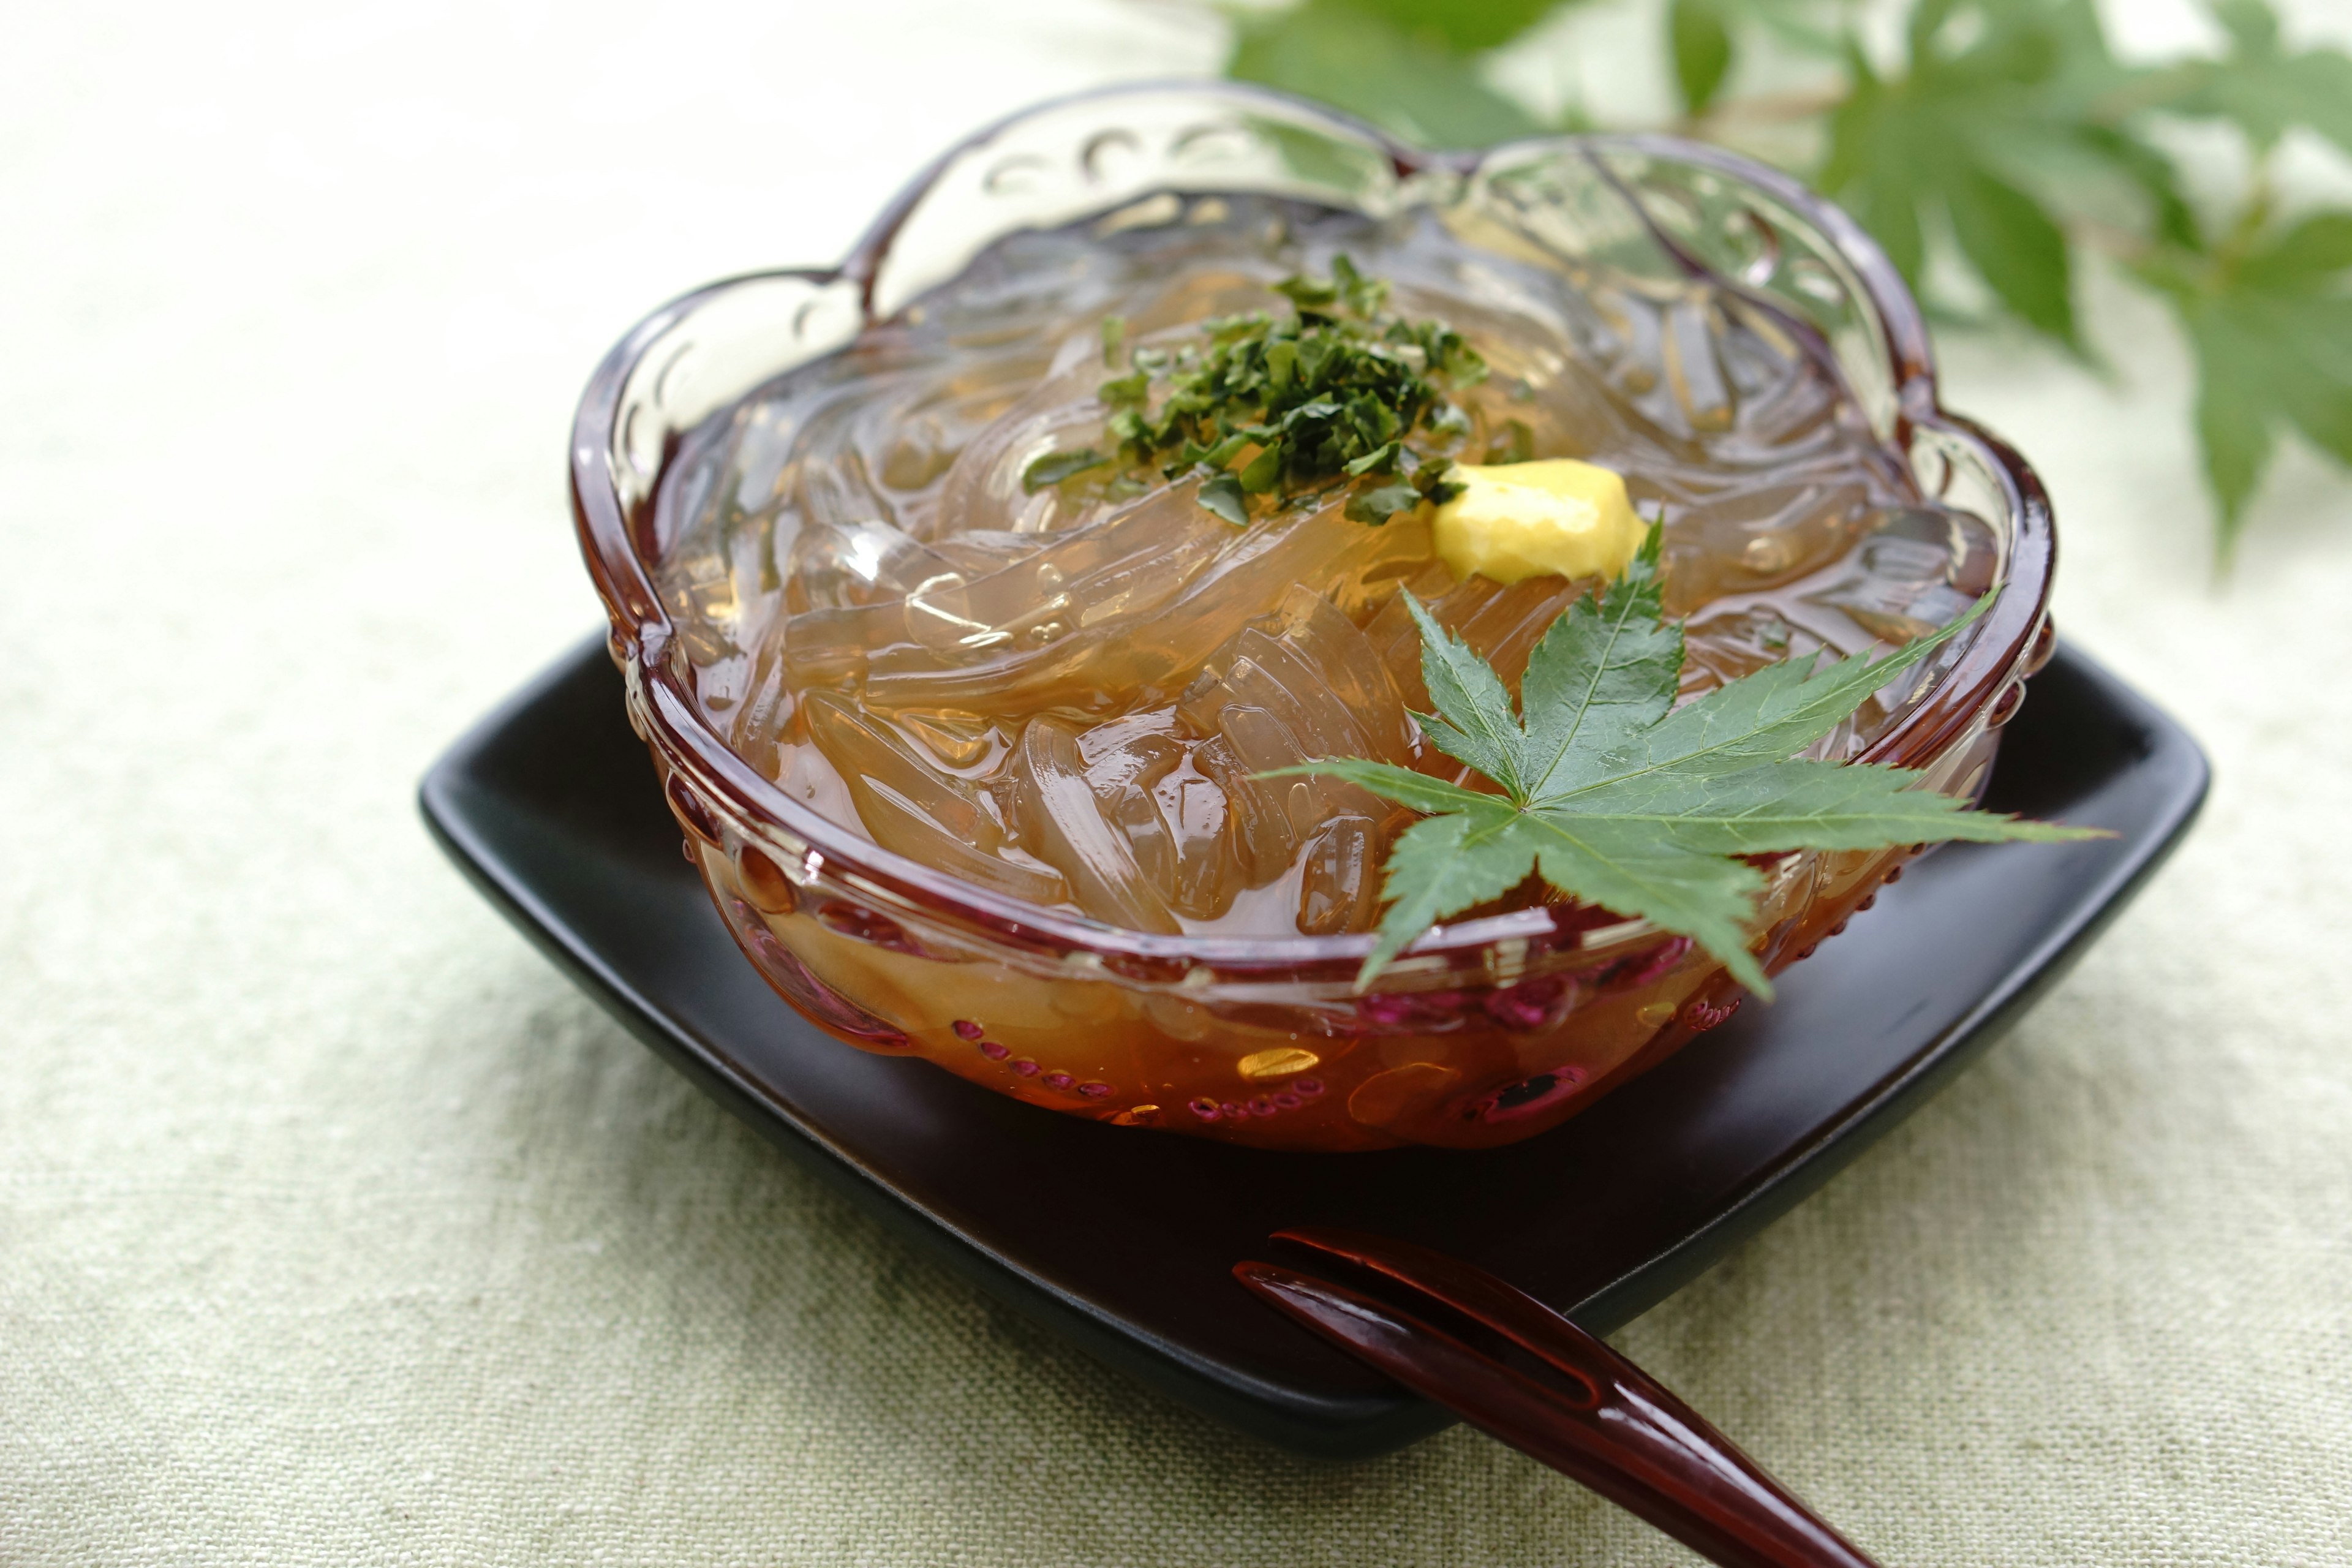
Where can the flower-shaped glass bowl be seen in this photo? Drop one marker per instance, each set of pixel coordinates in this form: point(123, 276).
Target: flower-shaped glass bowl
point(1487, 1030)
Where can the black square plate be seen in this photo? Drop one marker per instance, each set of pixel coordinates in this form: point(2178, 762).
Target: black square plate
point(1123, 1239)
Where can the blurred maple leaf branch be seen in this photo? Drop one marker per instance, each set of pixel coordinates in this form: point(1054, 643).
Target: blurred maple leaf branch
point(1997, 139)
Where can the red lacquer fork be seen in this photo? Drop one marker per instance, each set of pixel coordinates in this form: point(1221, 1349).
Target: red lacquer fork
point(1586, 1411)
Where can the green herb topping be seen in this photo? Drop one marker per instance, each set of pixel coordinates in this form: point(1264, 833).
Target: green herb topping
point(1335, 390)
point(1055, 467)
point(1622, 800)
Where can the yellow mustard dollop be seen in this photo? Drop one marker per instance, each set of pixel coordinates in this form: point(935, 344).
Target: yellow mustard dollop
point(1526, 520)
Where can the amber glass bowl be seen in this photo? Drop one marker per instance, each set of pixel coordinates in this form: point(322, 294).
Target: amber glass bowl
point(1487, 1031)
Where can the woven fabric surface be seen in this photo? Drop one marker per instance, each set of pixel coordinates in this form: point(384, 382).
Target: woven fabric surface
point(336, 1226)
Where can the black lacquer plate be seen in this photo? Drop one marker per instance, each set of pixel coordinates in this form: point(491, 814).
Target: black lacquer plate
point(1124, 1239)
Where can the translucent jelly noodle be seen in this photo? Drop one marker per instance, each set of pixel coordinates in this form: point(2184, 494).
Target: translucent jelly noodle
point(1058, 696)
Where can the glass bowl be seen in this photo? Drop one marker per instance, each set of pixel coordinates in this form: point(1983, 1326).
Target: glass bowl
point(1486, 1031)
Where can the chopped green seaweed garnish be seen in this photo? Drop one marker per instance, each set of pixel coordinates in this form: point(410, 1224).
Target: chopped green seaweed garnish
point(1332, 392)
point(1055, 467)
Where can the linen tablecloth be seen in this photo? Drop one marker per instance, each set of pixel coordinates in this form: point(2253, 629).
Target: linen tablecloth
point(336, 1226)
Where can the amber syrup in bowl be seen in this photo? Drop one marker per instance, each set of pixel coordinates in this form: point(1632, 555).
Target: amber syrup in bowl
point(973, 766)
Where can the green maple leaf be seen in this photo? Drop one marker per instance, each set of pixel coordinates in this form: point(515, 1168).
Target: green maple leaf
point(1993, 115)
point(2259, 86)
point(1621, 799)
point(1395, 62)
point(2270, 321)
point(1699, 34)
point(1703, 38)
point(1463, 26)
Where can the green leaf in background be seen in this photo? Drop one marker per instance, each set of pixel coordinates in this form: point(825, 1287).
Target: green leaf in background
point(1464, 27)
point(2307, 259)
point(1619, 798)
point(1808, 26)
point(2168, 214)
point(1703, 38)
point(1700, 33)
point(1995, 98)
point(2016, 247)
point(1351, 54)
point(2262, 87)
point(2270, 324)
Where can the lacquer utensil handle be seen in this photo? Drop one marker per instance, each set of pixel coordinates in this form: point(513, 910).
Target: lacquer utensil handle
point(1593, 1415)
